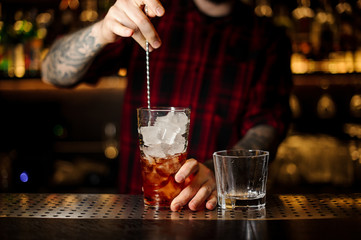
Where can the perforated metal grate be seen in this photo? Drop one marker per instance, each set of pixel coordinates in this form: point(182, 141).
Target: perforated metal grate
point(114, 206)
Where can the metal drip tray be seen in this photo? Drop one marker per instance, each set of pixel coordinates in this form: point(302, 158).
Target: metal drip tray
point(113, 206)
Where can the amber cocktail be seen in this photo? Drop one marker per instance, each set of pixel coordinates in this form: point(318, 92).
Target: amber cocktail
point(163, 137)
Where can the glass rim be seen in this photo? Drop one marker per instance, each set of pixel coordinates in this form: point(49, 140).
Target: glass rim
point(165, 109)
point(252, 153)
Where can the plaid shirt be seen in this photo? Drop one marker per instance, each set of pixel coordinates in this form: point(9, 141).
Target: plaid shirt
point(233, 72)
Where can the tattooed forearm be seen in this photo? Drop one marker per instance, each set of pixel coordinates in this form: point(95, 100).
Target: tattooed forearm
point(262, 137)
point(70, 57)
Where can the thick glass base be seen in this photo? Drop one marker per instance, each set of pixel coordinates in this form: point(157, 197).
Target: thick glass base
point(226, 202)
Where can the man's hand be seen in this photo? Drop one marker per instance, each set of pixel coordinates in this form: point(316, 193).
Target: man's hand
point(127, 18)
point(200, 191)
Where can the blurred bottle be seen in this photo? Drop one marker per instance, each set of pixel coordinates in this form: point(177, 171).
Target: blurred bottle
point(282, 19)
point(301, 45)
point(26, 45)
point(347, 26)
point(324, 31)
point(68, 22)
point(25, 32)
point(357, 15)
point(3, 57)
point(42, 23)
point(303, 16)
point(32, 45)
point(358, 36)
point(6, 44)
point(23, 29)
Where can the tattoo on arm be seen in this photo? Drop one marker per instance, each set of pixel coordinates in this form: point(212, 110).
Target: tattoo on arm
point(69, 58)
point(262, 137)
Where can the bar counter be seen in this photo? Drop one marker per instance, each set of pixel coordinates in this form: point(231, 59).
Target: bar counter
point(113, 216)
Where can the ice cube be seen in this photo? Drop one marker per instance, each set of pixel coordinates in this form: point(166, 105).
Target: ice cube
point(167, 132)
point(178, 119)
point(166, 119)
point(178, 146)
point(161, 133)
point(150, 135)
point(165, 148)
point(165, 137)
point(181, 120)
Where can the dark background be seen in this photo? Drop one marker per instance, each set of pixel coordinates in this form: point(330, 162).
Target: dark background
point(64, 140)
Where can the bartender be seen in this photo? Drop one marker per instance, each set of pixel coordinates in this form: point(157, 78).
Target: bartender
point(230, 67)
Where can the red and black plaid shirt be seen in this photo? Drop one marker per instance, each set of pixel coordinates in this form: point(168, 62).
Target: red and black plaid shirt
point(233, 73)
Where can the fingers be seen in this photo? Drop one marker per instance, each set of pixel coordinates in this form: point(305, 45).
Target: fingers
point(130, 14)
point(119, 28)
point(155, 8)
point(212, 201)
point(200, 193)
point(205, 197)
point(190, 167)
point(126, 18)
point(144, 29)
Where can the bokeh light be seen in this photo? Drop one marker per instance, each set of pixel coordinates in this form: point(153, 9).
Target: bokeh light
point(24, 177)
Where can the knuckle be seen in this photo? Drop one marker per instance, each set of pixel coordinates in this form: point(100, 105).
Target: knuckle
point(142, 21)
point(113, 11)
point(208, 189)
point(214, 194)
point(184, 197)
point(193, 162)
point(193, 189)
point(190, 164)
point(134, 28)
